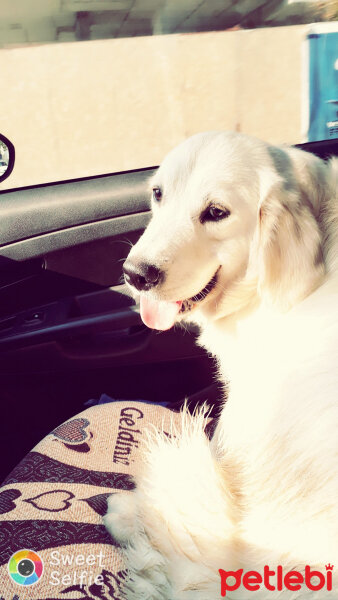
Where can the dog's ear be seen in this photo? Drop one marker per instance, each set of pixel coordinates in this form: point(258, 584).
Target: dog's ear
point(289, 244)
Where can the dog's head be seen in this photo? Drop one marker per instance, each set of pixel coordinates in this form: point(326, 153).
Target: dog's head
point(232, 219)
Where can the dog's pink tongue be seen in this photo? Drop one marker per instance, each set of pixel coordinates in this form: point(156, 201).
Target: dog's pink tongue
point(158, 314)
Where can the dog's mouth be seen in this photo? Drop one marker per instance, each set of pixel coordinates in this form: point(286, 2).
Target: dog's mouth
point(160, 314)
point(190, 302)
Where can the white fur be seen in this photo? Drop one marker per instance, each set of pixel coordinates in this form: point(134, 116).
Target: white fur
point(264, 491)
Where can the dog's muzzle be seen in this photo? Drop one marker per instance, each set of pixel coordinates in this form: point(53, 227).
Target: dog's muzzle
point(155, 313)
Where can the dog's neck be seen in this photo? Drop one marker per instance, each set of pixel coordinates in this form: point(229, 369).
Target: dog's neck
point(238, 318)
point(223, 325)
point(221, 319)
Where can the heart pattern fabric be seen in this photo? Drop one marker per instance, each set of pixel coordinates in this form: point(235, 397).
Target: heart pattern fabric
point(7, 498)
point(53, 501)
point(72, 432)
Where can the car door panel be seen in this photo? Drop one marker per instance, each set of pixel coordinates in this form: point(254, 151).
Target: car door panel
point(44, 239)
point(32, 211)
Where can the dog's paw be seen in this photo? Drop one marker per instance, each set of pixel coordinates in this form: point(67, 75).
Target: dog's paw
point(121, 517)
point(147, 578)
point(147, 570)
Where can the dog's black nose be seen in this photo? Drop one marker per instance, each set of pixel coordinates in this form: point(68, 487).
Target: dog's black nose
point(141, 275)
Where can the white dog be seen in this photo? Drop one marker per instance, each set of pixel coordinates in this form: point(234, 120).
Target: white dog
point(243, 242)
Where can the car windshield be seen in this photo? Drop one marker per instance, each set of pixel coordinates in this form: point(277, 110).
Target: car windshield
point(92, 87)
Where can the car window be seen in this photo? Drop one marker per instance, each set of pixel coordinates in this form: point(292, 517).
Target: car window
point(93, 87)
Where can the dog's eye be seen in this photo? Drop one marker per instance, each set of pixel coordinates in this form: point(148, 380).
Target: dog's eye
point(214, 213)
point(157, 194)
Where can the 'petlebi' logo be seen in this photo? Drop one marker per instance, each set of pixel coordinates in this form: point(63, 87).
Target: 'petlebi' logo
point(25, 567)
point(276, 579)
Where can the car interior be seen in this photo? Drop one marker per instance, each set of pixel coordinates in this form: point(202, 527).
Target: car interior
point(69, 332)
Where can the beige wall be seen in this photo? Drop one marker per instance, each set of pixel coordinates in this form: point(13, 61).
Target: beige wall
point(74, 110)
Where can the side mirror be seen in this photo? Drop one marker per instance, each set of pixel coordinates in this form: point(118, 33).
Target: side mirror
point(7, 157)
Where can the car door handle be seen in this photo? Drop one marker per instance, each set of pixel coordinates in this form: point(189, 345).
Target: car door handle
point(50, 323)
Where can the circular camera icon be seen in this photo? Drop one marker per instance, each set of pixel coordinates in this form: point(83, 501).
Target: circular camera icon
point(25, 567)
